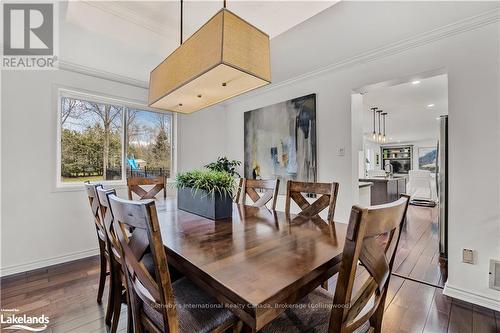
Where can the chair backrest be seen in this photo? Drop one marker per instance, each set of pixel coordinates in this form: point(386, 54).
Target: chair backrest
point(91, 189)
point(107, 217)
point(251, 186)
point(372, 238)
point(142, 287)
point(328, 198)
point(135, 186)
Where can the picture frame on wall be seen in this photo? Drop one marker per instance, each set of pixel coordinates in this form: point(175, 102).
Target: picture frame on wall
point(427, 158)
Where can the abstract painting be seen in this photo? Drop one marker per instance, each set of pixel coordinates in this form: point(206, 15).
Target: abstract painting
point(427, 158)
point(280, 141)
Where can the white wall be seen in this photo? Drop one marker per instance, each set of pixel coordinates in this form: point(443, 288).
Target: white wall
point(201, 138)
point(358, 44)
point(40, 225)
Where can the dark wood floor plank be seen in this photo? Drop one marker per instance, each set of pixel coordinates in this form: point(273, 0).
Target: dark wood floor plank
point(394, 286)
point(418, 251)
point(460, 317)
point(483, 320)
point(409, 308)
point(438, 318)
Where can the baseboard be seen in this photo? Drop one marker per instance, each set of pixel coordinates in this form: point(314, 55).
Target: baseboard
point(16, 269)
point(474, 298)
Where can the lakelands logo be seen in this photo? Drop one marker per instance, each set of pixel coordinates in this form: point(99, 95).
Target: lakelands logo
point(29, 36)
point(23, 322)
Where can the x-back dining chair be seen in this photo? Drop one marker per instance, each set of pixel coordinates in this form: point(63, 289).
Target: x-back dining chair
point(328, 198)
point(117, 290)
point(156, 302)
point(135, 186)
point(249, 187)
point(372, 238)
point(91, 189)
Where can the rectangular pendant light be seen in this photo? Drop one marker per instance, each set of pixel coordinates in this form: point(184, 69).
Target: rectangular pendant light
point(226, 57)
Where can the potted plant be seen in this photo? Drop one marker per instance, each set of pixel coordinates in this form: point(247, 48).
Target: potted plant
point(207, 193)
point(224, 164)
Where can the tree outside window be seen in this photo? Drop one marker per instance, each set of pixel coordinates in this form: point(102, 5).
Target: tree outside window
point(91, 141)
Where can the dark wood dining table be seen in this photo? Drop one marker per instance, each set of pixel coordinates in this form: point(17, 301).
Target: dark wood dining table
point(256, 263)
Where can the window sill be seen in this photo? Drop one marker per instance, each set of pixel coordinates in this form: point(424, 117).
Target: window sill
point(79, 187)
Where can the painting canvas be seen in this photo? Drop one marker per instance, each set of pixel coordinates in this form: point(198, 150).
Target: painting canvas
point(280, 141)
point(427, 158)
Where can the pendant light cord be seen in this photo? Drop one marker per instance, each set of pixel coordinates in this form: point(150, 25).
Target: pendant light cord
point(374, 120)
point(379, 129)
point(383, 114)
point(224, 3)
point(182, 12)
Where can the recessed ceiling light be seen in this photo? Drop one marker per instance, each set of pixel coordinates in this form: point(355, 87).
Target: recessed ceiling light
point(430, 105)
point(415, 82)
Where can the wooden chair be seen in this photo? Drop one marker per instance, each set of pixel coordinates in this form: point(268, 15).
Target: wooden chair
point(135, 184)
point(158, 304)
point(328, 198)
point(117, 290)
point(250, 186)
point(91, 189)
point(372, 238)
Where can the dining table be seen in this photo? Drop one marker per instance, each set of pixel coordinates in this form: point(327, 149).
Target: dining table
point(257, 263)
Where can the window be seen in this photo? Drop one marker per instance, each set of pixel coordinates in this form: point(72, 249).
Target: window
point(107, 140)
point(149, 142)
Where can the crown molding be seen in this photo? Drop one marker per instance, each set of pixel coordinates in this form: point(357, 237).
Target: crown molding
point(73, 67)
point(431, 36)
point(129, 16)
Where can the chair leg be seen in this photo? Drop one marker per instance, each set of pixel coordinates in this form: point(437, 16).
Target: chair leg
point(117, 304)
point(378, 316)
point(130, 318)
point(111, 302)
point(102, 276)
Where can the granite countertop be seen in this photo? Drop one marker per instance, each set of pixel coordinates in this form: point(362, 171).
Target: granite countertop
point(380, 179)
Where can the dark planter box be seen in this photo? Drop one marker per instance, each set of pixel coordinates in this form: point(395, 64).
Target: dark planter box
point(213, 206)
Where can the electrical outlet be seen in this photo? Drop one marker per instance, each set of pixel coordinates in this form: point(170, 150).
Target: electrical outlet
point(468, 256)
point(494, 274)
point(341, 151)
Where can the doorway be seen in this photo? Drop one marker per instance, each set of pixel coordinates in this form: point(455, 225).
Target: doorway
point(401, 140)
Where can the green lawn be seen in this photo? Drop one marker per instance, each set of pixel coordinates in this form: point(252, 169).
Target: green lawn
point(81, 179)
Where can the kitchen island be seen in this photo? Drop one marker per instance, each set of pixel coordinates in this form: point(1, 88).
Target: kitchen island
point(386, 189)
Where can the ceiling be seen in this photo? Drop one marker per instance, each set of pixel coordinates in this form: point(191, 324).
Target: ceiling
point(162, 18)
point(131, 38)
point(410, 114)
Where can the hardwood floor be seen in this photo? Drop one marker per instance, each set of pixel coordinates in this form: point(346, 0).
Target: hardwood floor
point(67, 293)
point(418, 251)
